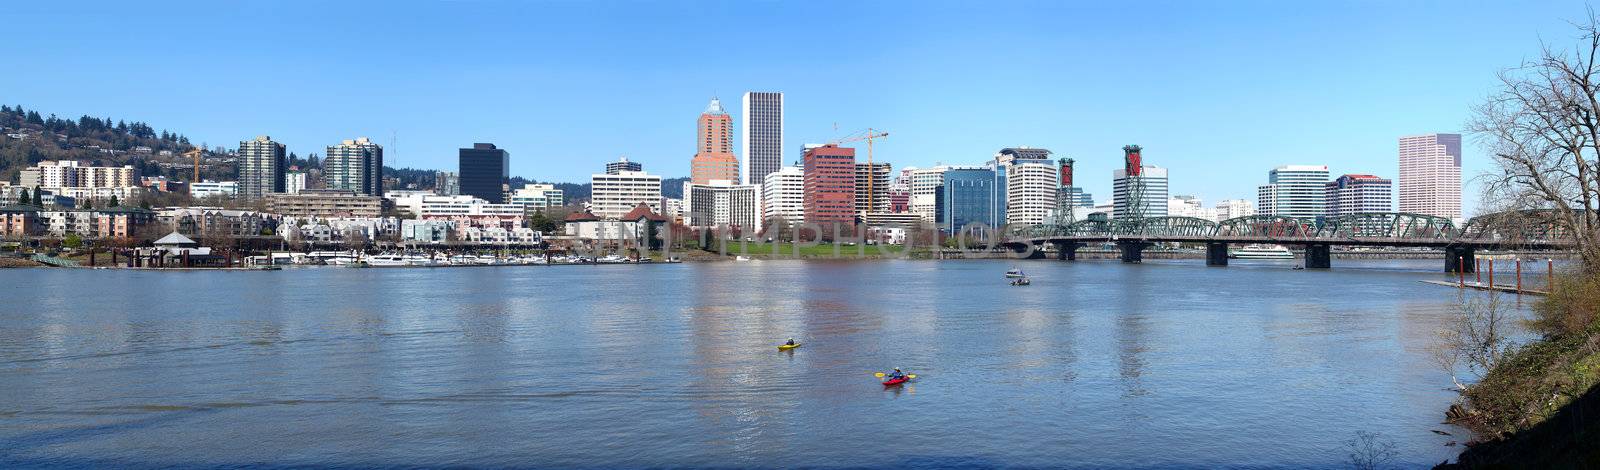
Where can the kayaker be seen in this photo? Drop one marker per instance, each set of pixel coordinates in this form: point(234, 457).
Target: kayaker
point(790, 343)
point(897, 374)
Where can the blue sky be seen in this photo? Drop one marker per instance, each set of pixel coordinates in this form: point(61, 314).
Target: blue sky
point(1219, 92)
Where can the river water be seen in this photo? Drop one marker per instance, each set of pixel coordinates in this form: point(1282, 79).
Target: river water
point(1097, 364)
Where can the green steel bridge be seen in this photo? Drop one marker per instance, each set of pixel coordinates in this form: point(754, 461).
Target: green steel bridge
point(1506, 230)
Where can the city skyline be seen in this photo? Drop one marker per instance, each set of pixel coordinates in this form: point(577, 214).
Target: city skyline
point(1347, 110)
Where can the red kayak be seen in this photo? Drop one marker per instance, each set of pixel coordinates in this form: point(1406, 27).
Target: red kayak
point(895, 381)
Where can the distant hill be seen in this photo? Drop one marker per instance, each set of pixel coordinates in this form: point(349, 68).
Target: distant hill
point(28, 137)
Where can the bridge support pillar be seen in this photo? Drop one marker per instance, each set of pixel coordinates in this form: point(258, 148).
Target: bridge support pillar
point(1460, 259)
point(1319, 256)
point(1133, 250)
point(1067, 251)
point(1216, 254)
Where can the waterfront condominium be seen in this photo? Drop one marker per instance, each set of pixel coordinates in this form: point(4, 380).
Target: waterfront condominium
point(1430, 175)
point(1032, 191)
point(713, 158)
point(621, 165)
point(970, 195)
point(484, 171)
point(1350, 194)
point(612, 196)
point(354, 165)
point(262, 163)
point(1294, 191)
point(783, 196)
point(872, 188)
point(1151, 181)
point(760, 135)
point(723, 204)
point(829, 184)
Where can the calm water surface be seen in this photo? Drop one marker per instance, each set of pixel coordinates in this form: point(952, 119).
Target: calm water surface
point(1096, 364)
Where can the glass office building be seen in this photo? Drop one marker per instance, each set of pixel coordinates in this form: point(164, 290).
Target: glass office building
point(970, 195)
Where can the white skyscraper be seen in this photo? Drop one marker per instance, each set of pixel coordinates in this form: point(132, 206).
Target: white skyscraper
point(1154, 200)
point(723, 204)
point(783, 195)
point(760, 136)
point(1294, 191)
point(1350, 194)
point(1032, 186)
point(1430, 175)
point(924, 190)
point(612, 196)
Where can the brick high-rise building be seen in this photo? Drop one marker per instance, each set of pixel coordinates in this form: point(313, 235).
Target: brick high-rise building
point(830, 184)
point(1430, 175)
point(713, 158)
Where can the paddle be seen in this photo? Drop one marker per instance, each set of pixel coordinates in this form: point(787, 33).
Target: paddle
point(880, 375)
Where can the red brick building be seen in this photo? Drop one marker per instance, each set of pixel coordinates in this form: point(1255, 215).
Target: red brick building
point(830, 184)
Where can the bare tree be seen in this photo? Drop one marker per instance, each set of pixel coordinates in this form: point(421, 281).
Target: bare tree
point(1543, 129)
point(1479, 338)
point(1369, 451)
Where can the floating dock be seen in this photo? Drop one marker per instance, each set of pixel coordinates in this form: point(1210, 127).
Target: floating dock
point(1482, 286)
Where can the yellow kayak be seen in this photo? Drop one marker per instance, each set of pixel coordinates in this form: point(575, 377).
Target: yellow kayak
point(787, 347)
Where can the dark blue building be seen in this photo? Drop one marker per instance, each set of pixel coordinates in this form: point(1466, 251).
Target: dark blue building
point(484, 171)
point(970, 196)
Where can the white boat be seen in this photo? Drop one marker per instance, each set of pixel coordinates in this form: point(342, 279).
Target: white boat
point(1261, 252)
point(613, 259)
point(1015, 273)
point(386, 260)
point(741, 258)
point(341, 261)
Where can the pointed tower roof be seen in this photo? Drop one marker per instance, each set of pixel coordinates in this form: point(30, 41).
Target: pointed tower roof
point(715, 108)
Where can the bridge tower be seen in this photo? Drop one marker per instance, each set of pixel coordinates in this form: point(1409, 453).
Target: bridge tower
point(1133, 182)
point(1064, 195)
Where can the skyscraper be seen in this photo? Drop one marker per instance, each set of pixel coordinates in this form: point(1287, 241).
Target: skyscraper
point(714, 159)
point(1350, 194)
point(1294, 191)
point(1430, 175)
point(1150, 180)
point(612, 196)
point(783, 195)
point(924, 187)
point(261, 167)
point(484, 170)
point(970, 195)
point(830, 189)
point(354, 165)
point(872, 188)
point(621, 165)
point(723, 204)
point(1032, 190)
point(760, 135)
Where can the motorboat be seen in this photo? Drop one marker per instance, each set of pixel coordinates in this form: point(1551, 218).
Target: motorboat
point(1015, 273)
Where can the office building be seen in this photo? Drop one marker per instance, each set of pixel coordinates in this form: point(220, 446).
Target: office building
point(1190, 206)
point(324, 203)
point(713, 158)
point(830, 189)
point(1350, 194)
point(1032, 189)
point(924, 190)
point(783, 195)
point(1234, 208)
point(1294, 191)
point(612, 196)
point(538, 197)
point(354, 165)
point(760, 135)
point(1430, 175)
point(484, 170)
point(1150, 180)
point(872, 188)
point(1011, 154)
point(262, 163)
point(723, 204)
point(970, 195)
point(205, 189)
point(446, 183)
point(622, 164)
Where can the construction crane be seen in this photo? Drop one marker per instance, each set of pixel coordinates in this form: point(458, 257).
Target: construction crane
point(195, 152)
point(868, 135)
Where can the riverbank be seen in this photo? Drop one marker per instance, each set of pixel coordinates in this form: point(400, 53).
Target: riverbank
point(1536, 407)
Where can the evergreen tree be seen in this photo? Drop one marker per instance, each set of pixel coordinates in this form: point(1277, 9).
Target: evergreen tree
point(114, 202)
point(38, 199)
point(88, 203)
point(26, 198)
